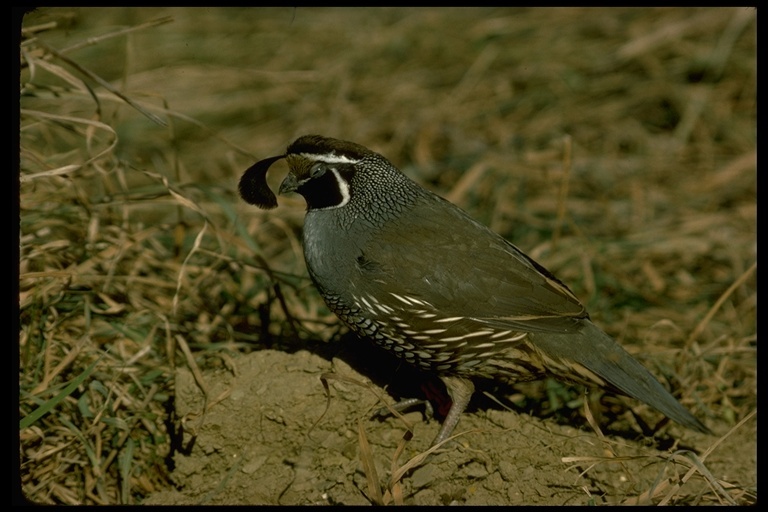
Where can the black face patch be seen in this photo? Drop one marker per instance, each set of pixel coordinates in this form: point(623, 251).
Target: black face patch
point(324, 189)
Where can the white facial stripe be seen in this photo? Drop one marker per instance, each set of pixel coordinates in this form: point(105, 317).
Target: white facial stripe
point(329, 159)
point(343, 188)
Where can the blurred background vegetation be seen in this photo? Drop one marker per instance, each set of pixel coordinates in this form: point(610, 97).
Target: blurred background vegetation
point(615, 146)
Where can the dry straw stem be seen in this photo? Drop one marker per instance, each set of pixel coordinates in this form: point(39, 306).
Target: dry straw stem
point(393, 492)
point(717, 305)
point(665, 490)
point(93, 76)
point(365, 451)
point(102, 392)
point(698, 467)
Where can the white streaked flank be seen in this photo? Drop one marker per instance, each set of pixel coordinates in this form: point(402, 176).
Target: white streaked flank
point(434, 331)
point(449, 319)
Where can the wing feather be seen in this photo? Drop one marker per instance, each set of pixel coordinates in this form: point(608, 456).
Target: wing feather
point(469, 272)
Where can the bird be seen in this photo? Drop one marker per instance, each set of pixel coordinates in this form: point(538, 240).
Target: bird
point(414, 273)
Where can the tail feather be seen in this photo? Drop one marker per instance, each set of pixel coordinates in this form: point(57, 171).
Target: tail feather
point(600, 354)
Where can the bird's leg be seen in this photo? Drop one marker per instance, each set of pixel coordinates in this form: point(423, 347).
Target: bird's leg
point(404, 405)
point(460, 391)
point(433, 391)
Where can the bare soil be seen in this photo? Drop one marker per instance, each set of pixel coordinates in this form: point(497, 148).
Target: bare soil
point(271, 440)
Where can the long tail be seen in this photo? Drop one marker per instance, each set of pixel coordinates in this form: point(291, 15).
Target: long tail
point(599, 354)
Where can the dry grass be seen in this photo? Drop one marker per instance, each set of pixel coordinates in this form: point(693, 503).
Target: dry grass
point(133, 242)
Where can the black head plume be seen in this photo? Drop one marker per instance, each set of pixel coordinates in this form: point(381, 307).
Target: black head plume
point(253, 185)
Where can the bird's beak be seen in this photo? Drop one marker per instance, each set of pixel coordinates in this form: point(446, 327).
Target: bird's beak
point(289, 184)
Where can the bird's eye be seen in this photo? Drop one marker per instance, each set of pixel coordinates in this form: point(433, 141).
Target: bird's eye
point(317, 170)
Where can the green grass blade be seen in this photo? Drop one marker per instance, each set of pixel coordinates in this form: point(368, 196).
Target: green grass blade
point(48, 406)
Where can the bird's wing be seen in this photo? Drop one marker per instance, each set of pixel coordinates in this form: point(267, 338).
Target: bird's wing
point(436, 253)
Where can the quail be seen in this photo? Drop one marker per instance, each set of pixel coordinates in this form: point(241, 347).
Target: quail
point(419, 277)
